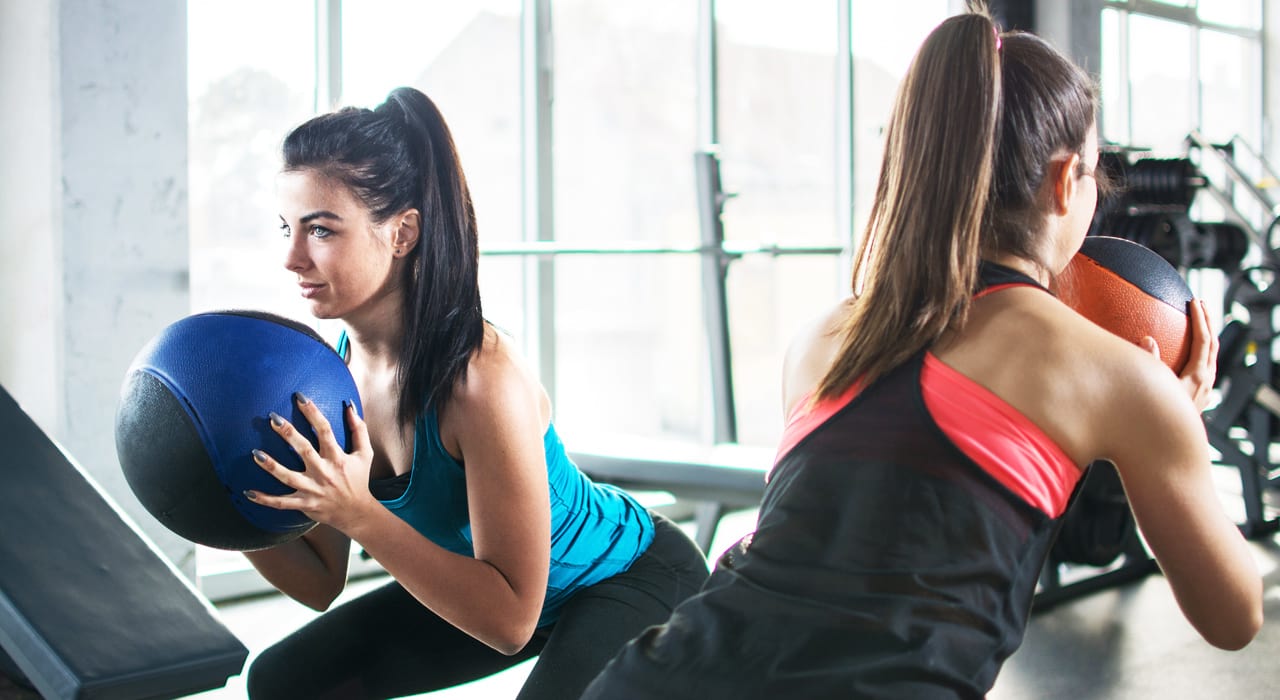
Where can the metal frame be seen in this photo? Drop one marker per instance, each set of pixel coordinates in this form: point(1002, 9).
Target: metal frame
point(1185, 15)
point(328, 54)
point(845, 139)
point(711, 200)
point(538, 186)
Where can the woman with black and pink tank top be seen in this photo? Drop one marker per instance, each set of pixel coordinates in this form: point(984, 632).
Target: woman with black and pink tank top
point(939, 420)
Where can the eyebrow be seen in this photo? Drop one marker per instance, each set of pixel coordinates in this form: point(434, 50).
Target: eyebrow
point(322, 214)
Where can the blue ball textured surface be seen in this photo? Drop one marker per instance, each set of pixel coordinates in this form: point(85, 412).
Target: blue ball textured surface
point(227, 372)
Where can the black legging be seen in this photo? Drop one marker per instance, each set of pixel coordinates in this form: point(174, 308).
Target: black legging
point(386, 644)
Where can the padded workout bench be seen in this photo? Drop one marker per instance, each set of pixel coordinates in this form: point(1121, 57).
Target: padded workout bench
point(88, 609)
point(718, 478)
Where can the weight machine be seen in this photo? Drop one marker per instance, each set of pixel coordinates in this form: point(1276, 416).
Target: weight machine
point(1244, 426)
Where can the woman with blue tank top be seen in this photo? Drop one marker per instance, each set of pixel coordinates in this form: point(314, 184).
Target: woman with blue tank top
point(501, 549)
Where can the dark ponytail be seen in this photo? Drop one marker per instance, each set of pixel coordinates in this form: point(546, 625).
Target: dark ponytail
point(397, 157)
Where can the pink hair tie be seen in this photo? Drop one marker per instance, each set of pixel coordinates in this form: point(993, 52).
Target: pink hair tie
point(998, 42)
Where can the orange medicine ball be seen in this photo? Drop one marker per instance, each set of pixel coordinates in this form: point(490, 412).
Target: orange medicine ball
point(1131, 291)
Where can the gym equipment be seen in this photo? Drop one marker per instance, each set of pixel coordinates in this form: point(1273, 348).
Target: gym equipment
point(1151, 208)
point(196, 403)
point(1151, 204)
point(1099, 523)
point(1243, 426)
point(88, 607)
point(1131, 291)
point(1246, 172)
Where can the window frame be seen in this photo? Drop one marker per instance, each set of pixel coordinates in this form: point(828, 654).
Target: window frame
point(1188, 16)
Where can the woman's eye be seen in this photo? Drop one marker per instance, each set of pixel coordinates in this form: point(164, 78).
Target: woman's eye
point(285, 230)
point(320, 232)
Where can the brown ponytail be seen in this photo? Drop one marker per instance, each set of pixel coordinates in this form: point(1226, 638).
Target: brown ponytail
point(978, 121)
point(917, 264)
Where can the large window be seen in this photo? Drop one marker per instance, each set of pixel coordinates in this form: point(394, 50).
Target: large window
point(629, 351)
point(780, 154)
point(631, 335)
point(242, 102)
point(1182, 79)
point(626, 100)
point(1174, 67)
point(1162, 83)
point(466, 57)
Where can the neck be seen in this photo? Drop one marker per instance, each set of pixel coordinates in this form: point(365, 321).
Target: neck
point(375, 335)
point(1030, 268)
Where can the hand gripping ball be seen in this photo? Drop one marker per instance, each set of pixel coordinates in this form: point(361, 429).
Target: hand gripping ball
point(1131, 291)
point(195, 404)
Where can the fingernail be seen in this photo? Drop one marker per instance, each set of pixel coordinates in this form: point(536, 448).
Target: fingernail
point(301, 398)
point(251, 495)
point(347, 403)
point(276, 420)
point(259, 456)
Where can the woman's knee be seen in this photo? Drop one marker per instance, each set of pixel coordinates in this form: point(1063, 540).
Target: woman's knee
point(265, 678)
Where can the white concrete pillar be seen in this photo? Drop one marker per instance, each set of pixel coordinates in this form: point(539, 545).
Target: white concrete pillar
point(94, 223)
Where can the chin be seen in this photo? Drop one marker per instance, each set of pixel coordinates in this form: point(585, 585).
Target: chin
point(321, 312)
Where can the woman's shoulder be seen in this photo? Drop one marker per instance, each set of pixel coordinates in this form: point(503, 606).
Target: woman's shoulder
point(498, 357)
point(498, 375)
point(811, 352)
point(1058, 337)
point(1073, 378)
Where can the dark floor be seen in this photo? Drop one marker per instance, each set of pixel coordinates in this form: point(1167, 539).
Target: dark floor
point(1133, 642)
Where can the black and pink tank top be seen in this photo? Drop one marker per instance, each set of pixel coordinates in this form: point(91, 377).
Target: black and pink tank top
point(896, 554)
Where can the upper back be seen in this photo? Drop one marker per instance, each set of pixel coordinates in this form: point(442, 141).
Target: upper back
point(1072, 379)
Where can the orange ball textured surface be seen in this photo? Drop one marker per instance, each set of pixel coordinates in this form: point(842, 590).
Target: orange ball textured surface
point(1131, 291)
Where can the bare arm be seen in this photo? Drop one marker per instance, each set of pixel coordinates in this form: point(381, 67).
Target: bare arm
point(311, 569)
point(1158, 443)
point(496, 596)
point(810, 355)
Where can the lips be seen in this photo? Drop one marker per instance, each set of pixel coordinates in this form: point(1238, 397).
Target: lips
point(309, 289)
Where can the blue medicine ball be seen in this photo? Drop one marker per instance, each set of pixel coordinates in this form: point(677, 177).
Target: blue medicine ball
point(195, 404)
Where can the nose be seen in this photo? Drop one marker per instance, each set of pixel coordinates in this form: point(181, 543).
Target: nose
point(295, 256)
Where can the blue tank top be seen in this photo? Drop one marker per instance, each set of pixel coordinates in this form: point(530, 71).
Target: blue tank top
point(597, 530)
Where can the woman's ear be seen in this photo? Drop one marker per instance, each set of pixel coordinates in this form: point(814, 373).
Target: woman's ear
point(1063, 174)
point(406, 232)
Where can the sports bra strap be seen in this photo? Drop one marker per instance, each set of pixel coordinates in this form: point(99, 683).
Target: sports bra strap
point(993, 275)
